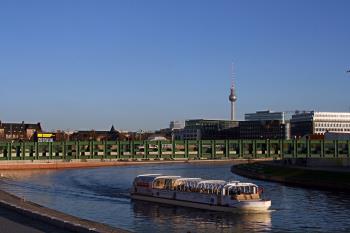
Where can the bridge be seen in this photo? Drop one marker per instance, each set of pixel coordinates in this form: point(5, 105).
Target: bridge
point(168, 150)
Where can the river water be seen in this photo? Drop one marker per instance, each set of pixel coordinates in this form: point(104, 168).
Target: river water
point(102, 194)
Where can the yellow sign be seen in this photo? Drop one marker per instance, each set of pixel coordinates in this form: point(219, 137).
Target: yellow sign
point(45, 135)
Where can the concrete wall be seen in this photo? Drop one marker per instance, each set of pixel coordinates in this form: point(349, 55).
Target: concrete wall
point(319, 162)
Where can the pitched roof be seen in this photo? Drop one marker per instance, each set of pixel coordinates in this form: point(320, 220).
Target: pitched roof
point(11, 127)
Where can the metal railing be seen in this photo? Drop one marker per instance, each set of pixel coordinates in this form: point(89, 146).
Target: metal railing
point(188, 149)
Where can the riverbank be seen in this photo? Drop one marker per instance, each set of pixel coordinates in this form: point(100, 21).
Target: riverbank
point(319, 178)
point(19, 215)
point(50, 164)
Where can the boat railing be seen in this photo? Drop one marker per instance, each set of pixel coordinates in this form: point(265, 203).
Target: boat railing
point(190, 189)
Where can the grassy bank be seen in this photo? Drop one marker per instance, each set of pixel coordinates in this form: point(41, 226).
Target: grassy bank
point(297, 176)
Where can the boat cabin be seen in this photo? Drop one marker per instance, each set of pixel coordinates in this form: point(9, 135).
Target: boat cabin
point(186, 184)
point(217, 195)
point(233, 190)
point(145, 180)
point(211, 186)
point(241, 191)
point(164, 182)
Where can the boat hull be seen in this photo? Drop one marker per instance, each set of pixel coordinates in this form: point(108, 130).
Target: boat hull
point(242, 206)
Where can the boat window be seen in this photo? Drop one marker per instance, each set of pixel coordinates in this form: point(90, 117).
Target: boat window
point(168, 184)
point(159, 184)
point(242, 190)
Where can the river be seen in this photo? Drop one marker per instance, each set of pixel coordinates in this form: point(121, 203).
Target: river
point(102, 194)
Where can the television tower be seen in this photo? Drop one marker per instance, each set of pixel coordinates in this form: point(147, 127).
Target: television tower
point(233, 97)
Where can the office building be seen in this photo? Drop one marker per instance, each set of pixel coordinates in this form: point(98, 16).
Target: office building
point(311, 123)
point(264, 125)
point(263, 130)
point(176, 125)
point(197, 129)
point(265, 116)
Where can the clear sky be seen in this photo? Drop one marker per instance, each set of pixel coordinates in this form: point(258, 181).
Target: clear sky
point(88, 64)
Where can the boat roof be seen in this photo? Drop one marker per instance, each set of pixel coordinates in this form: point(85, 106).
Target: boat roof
point(152, 175)
point(167, 177)
point(189, 179)
point(239, 184)
point(198, 181)
point(213, 182)
point(234, 181)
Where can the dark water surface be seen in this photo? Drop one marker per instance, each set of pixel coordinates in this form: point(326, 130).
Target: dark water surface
point(102, 194)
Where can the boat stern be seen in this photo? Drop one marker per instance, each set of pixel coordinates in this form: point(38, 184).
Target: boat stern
point(254, 206)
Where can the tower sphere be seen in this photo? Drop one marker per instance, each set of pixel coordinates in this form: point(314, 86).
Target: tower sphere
point(232, 96)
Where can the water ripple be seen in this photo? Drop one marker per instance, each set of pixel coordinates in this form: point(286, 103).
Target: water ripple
point(102, 194)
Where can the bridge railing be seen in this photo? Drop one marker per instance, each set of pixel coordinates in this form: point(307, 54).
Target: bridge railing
point(185, 149)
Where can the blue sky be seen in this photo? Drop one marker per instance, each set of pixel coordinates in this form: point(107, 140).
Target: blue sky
point(87, 64)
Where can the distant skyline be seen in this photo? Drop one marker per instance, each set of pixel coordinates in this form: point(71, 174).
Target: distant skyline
point(89, 64)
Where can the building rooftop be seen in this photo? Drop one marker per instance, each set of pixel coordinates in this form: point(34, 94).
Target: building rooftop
point(12, 127)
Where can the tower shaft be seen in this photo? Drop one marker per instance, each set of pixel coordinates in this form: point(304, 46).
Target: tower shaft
point(232, 97)
point(233, 111)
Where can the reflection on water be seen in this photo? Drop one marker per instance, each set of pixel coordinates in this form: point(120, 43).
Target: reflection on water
point(102, 194)
point(25, 174)
point(193, 220)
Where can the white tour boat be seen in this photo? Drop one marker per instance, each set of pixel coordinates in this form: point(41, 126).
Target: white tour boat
point(216, 195)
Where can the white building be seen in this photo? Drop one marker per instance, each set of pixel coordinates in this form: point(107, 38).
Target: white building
point(176, 125)
point(331, 122)
point(157, 138)
point(307, 123)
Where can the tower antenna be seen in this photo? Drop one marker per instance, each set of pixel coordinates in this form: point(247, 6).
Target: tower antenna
point(232, 76)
